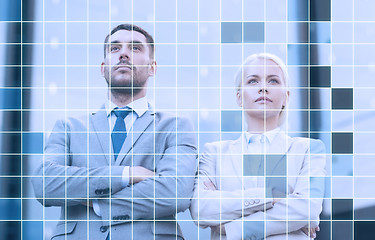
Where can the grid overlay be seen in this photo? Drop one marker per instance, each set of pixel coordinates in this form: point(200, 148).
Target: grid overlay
point(330, 100)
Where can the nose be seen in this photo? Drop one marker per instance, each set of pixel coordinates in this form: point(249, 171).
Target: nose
point(263, 90)
point(124, 54)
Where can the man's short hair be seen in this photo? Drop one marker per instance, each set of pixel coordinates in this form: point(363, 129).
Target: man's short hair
point(131, 27)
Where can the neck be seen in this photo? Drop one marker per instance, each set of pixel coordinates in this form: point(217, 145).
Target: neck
point(260, 125)
point(121, 99)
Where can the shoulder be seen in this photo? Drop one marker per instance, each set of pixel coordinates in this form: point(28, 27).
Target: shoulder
point(72, 122)
point(165, 120)
point(308, 144)
point(221, 146)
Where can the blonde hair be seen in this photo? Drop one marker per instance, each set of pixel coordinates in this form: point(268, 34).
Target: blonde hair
point(265, 56)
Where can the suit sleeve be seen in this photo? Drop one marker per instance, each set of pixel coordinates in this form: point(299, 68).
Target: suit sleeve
point(210, 208)
point(299, 209)
point(58, 183)
point(167, 193)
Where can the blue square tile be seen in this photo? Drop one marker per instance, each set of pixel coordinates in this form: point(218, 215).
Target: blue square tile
point(342, 98)
point(231, 32)
point(231, 121)
point(320, 121)
point(342, 209)
point(32, 142)
point(253, 32)
point(10, 10)
point(10, 98)
point(298, 10)
point(342, 165)
point(342, 143)
point(32, 230)
point(320, 76)
point(10, 209)
point(320, 32)
point(298, 54)
point(320, 10)
point(363, 229)
point(342, 229)
point(317, 187)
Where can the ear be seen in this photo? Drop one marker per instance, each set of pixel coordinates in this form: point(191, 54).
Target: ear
point(286, 99)
point(102, 68)
point(239, 98)
point(152, 69)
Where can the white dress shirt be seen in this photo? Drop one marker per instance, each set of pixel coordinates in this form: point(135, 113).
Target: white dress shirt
point(139, 107)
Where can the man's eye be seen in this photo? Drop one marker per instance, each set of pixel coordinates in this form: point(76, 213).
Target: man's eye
point(136, 48)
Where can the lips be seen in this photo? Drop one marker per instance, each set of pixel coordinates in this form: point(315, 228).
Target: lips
point(124, 66)
point(263, 99)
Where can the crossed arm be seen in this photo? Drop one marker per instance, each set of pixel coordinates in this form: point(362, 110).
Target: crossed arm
point(294, 207)
point(152, 194)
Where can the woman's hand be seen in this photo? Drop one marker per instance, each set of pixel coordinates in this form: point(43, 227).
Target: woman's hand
point(311, 232)
point(220, 229)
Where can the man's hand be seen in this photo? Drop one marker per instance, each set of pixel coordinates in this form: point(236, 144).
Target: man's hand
point(87, 203)
point(275, 200)
point(208, 185)
point(138, 174)
point(311, 232)
point(220, 229)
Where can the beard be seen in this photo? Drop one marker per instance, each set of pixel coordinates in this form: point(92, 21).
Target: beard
point(127, 83)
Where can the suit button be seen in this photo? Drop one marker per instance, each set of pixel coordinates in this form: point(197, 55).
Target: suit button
point(126, 217)
point(257, 201)
point(105, 191)
point(115, 218)
point(98, 192)
point(103, 228)
point(252, 202)
point(247, 203)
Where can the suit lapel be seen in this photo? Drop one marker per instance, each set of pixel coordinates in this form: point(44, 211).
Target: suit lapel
point(237, 158)
point(139, 127)
point(100, 123)
point(277, 155)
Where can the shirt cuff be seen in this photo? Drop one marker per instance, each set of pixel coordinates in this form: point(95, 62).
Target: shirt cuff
point(96, 207)
point(125, 177)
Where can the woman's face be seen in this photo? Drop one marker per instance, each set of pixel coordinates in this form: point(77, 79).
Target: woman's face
point(263, 89)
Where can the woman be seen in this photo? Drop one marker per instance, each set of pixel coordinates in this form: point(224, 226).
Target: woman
point(264, 184)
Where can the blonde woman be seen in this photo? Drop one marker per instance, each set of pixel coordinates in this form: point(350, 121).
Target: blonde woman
point(265, 184)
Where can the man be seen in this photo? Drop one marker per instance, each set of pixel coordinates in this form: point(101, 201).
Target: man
point(125, 171)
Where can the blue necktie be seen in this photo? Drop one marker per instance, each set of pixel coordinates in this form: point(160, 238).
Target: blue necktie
point(119, 130)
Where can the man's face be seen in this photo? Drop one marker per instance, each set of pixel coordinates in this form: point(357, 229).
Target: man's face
point(127, 64)
point(263, 89)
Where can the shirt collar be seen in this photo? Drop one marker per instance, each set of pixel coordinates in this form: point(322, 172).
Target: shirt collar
point(139, 106)
point(270, 135)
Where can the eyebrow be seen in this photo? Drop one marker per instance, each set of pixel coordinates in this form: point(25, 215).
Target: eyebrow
point(136, 42)
point(273, 76)
point(267, 76)
point(253, 76)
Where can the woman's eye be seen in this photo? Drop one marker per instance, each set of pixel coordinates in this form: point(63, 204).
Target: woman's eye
point(114, 48)
point(273, 81)
point(252, 81)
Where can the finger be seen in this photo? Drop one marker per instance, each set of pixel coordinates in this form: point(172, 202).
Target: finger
point(209, 185)
point(317, 229)
point(305, 231)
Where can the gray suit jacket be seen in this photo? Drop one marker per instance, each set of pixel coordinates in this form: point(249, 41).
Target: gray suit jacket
point(78, 166)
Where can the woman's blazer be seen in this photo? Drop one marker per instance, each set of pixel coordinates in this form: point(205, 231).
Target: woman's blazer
point(292, 169)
